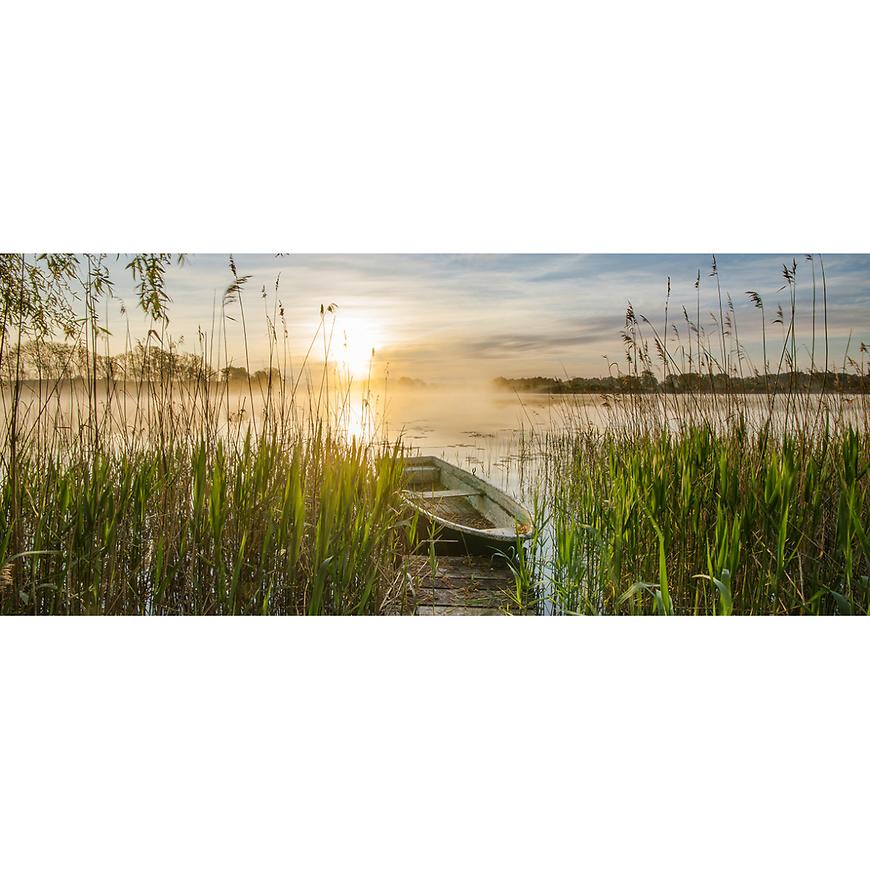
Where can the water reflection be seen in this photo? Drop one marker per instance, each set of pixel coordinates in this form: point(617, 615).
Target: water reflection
point(497, 435)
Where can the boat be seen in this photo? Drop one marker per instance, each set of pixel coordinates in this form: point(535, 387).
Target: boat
point(460, 512)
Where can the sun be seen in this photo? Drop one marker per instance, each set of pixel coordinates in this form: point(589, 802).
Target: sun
point(358, 340)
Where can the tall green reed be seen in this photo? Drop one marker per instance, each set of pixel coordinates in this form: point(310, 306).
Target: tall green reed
point(710, 500)
point(152, 482)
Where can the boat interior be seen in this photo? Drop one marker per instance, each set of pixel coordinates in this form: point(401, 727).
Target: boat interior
point(456, 500)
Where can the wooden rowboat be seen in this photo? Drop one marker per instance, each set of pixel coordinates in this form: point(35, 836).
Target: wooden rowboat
point(461, 512)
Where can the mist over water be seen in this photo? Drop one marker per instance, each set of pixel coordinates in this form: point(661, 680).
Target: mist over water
point(501, 436)
point(496, 434)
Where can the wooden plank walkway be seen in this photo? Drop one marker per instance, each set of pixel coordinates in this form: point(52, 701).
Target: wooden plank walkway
point(462, 586)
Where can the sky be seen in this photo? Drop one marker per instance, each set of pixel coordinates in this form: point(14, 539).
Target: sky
point(467, 318)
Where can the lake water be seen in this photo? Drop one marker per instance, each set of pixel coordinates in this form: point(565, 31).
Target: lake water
point(494, 434)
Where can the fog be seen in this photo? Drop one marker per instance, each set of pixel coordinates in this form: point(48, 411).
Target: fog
point(494, 433)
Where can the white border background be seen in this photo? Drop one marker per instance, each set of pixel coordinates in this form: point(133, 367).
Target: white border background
point(449, 127)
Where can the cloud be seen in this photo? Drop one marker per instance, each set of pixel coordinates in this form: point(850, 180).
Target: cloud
point(463, 316)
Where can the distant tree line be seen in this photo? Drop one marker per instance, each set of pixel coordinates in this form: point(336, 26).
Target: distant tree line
point(412, 383)
point(693, 382)
point(52, 361)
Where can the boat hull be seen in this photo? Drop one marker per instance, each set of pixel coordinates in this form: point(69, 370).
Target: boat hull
point(460, 514)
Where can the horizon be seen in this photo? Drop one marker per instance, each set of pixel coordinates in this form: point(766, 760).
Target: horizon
point(469, 318)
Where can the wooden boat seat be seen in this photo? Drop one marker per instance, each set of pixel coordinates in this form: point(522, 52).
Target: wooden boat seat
point(444, 493)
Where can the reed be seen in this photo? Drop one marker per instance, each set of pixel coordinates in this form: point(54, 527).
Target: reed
point(700, 522)
point(144, 485)
point(258, 526)
point(712, 502)
point(168, 482)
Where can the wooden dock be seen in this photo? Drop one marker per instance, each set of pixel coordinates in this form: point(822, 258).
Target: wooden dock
point(462, 586)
